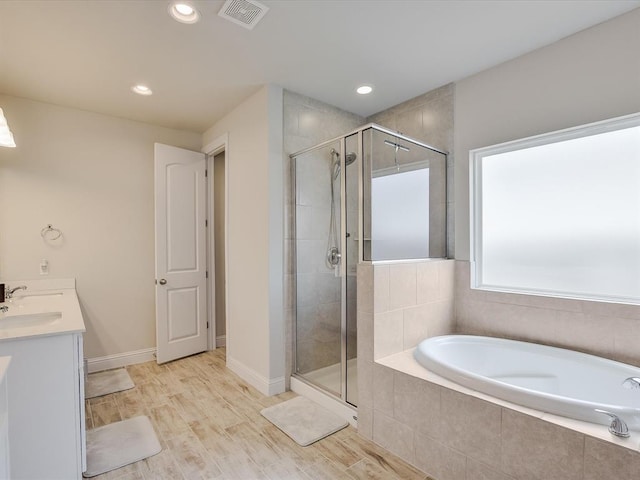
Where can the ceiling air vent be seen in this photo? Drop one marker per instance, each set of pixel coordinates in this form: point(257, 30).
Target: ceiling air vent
point(246, 13)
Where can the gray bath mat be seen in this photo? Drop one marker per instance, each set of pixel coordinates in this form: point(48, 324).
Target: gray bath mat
point(118, 444)
point(104, 383)
point(304, 421)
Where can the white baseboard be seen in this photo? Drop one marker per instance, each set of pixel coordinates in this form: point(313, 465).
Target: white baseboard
point(221, 341)
point(325, 400)
point(263, 384)
point(98, 364)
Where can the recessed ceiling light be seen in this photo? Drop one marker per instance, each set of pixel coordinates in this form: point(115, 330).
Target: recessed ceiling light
point(364, 89)
point(141, 90)
point(184, 12)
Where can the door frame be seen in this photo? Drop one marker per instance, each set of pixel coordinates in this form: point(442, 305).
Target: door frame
point(211, 149)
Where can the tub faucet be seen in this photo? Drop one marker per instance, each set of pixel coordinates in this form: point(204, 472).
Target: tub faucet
point(617, 427)
point(10, 291)
point(632, 383)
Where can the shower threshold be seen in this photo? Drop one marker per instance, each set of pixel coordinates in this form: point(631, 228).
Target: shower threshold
point(330, 379)
point(313, 385)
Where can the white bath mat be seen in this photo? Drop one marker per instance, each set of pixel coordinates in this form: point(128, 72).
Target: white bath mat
point(118, 444)
point(104, 383)
point(304, 421)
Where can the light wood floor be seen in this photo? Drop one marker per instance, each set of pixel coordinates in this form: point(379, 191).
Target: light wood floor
point(209, 424)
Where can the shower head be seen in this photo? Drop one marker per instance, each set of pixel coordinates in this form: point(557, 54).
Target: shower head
point(350, 158)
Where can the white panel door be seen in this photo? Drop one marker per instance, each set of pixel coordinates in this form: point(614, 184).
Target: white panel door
point(180, 211)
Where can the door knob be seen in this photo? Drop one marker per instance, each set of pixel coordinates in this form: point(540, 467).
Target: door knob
point(162, 281)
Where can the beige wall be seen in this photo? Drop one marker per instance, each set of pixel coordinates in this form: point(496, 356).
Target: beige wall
point(91, 176)
point(590, 76)
point(255, 328)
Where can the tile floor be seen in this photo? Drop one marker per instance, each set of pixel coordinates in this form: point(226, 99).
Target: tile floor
point(209, 424)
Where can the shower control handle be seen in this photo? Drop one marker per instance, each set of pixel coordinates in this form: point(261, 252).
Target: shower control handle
point(333, 256)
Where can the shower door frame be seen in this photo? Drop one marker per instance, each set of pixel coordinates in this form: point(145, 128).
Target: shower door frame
point(343, 241)
point(342, 397)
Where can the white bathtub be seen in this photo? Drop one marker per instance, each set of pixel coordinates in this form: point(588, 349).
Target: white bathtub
point(553, 380)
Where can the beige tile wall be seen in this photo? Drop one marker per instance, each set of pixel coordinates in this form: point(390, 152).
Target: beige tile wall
point(450, 435)
point(606, 329)
point(412, 301)
point(399, 304)
point(307, 122)
point(428, 118)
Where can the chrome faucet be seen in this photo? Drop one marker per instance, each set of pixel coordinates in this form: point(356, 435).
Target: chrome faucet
point(10, 291)
point(617, 427)
point(4, 309)
point(632, 383)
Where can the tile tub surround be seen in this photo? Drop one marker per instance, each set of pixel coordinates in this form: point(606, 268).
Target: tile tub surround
point(412, 300)
point(454, 433)
point(403, 303)
point(607, 330)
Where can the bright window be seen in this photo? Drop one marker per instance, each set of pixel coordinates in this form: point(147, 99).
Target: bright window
point(559, 214)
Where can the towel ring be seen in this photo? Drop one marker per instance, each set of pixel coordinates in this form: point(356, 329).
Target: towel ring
point(50, 233)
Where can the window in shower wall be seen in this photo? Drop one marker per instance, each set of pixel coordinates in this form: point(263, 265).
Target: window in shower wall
point(404, 198)
point(559, 214)
point(398, 204)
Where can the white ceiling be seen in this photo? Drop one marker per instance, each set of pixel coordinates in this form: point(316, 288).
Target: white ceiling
point(87, 54)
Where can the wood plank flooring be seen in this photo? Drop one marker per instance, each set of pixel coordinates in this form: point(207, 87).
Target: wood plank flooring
point(209, 424)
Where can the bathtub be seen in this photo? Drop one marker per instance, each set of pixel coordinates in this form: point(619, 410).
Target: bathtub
point(553, 380)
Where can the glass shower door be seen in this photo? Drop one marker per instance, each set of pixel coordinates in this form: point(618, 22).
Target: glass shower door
point(318, 327)
point(351, 258)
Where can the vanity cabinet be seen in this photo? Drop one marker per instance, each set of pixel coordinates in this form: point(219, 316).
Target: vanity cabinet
point(4, 420)
point(46, 406)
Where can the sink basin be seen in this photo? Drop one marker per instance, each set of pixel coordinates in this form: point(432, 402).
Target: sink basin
point(29, 320)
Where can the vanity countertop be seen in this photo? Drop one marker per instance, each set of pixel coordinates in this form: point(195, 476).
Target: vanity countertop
point(46, 307)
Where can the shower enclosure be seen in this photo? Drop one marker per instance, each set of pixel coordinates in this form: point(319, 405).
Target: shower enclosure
point(370, 195)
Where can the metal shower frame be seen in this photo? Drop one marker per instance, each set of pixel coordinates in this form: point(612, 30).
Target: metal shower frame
point(343, 240)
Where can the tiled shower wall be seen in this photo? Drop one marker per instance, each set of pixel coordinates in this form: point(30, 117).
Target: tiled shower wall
point(428, 118)
point(318, 289)
point(307, 122)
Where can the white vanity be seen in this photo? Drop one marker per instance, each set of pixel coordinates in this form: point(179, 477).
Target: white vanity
point(5, 463)
point(42, 333)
